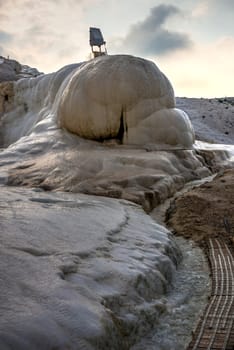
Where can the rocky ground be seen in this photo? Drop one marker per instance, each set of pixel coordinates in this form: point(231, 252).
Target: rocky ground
point(212, 118)
point(205, 211)
point(11, 70)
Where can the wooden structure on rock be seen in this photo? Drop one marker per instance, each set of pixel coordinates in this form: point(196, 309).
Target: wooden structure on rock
point(96, 40)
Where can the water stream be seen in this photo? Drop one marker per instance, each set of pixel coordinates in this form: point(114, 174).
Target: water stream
point(189, 293)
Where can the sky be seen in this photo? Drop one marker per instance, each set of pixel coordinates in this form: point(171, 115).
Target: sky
point(191, 41)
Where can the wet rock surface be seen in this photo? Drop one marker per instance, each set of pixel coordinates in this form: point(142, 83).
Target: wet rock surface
point(79, 272)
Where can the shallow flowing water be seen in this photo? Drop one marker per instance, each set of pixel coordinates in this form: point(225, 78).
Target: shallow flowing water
point(185, 302)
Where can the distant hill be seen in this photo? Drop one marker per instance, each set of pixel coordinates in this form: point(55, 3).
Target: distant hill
point(212, 119)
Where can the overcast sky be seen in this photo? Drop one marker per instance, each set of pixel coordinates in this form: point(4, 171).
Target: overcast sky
point(192, 41)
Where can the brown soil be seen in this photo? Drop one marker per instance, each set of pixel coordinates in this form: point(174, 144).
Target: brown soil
point(205, 211)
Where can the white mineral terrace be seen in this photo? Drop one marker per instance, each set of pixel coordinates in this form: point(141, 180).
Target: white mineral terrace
point(81, 270)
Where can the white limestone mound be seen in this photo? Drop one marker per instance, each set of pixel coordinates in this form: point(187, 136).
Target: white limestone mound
point(84, 272)
point(31, 105)
point(123, 97)
point(37, 152)
point(112, 97)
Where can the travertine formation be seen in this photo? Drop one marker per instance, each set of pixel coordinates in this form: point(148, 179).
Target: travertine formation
point(81, 271)
point(123, 97)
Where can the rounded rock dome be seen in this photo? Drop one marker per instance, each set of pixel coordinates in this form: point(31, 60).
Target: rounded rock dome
point(124, 97)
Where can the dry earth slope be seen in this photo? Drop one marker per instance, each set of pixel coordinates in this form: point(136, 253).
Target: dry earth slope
point(206, 211)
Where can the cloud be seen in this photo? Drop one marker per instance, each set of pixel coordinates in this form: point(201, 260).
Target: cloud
point(224, 3)
point(5, 37)
point(204, 7)
point(206, 70)
point(201, 9)
point(47, 33)
point(151, 37)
